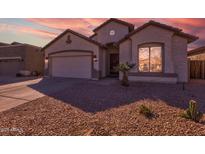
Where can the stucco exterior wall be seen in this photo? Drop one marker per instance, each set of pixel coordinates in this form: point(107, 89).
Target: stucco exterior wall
point(125, 53)
point(12, 51)
point(154, 34)
point(34, 60)
point(179, 47)
point(10, 68)
point(76, 44)
point(104, 62)
point(174, 56)
point(103, 34)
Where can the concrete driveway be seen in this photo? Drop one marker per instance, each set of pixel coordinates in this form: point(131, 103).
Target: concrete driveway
point(14, 94)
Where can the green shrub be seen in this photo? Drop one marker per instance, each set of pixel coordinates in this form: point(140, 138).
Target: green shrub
point(192, 112)
point(147, 112)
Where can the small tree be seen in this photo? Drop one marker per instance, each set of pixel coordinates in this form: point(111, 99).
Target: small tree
point(124, 68)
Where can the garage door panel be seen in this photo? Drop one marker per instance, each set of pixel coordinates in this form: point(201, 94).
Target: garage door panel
point(73, 67)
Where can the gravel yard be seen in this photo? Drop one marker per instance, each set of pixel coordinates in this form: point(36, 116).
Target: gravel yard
point(98, 108)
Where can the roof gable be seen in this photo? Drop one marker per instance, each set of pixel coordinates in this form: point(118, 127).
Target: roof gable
point(129, 25)
point(74, 33)
point(176, 31)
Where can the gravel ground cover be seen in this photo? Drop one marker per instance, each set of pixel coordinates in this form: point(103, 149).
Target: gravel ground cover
point(96, 96)
point(97, 109)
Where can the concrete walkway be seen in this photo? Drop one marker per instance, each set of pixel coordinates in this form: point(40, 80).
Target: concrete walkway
point(14, 94)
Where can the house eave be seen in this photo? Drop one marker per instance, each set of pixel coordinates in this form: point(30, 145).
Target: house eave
point(190, 38)
point(74, 33)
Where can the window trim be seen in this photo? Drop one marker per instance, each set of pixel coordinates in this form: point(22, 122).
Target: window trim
point(149, 45)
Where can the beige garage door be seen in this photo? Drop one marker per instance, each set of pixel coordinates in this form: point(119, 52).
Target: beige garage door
point(72, 67)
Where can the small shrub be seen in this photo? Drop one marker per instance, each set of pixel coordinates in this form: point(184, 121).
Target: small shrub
point(192, 112)
point(147, 112)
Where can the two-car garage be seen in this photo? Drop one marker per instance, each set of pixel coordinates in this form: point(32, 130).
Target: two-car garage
point(71, 64)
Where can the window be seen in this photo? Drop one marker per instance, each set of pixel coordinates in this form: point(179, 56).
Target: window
point(112, 32)
point(150, 58)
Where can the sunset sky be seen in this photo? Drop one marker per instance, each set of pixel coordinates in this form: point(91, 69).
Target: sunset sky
point(40, 31)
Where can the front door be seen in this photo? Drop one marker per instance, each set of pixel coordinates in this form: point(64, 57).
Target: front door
point(114, 61)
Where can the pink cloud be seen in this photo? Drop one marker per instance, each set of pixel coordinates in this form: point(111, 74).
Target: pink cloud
point(95, 21)
point(187, 21)
point(80, 25)
point(41, 33)
point(86, 25)
point(186, 24)
point(29, 30)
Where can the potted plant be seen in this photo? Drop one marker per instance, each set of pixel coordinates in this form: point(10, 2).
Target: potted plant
point(124, 68)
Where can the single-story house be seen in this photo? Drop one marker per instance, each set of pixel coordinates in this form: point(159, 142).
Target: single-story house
point(16, 56)
point(197, 54)
point(158, 51)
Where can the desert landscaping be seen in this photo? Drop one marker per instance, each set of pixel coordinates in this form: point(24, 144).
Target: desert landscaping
point(68, 113)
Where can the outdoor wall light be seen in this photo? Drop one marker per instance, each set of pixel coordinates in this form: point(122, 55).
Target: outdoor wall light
point(95, 58)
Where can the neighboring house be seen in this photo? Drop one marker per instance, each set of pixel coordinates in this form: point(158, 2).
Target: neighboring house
point(197, 54)
point(158, 51)
point(3, 44)
point(17, 56)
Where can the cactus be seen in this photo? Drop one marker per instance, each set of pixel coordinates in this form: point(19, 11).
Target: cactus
point(193, 109)
point(192, 112)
